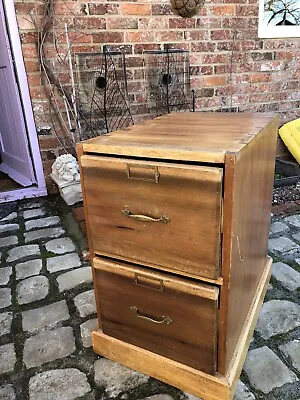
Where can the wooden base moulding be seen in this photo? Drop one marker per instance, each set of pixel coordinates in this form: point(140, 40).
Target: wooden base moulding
point(205, 386)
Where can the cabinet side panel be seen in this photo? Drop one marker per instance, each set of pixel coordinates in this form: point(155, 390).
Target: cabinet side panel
point(247, 211)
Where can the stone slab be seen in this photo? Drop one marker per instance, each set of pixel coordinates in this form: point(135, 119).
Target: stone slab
point(41, 223)
point(45, 317)
point(292, 350)
point(296, 236)
point(86, 330)
point(7, 392)
point(9, 228)
point(8, 241)
point(293, 220)
point(10, 217)
point(85, 303)
point(242, 392)
point(5, 323)
point(32, 289)
point(278, 227)
point(46, 233)
point(58, 384)
point(28, 268)
point(5, 297)
point(5, 274)
point(60, 246)
point(7, 358)
point(286, 275)
point(71, 279)
point(282, 244)
point(60, 263)
point(33, 213)
point(48, 346)
point(116, 378)
point(266, 371)
point(276, 317)
point(20, 252)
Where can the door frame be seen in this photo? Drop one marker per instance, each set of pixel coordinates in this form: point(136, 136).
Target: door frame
point(13, 32)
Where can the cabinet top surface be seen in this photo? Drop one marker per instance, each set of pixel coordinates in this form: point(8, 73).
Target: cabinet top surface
point(201, 137)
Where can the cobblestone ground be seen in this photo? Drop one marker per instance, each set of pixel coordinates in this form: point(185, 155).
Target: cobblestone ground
point(47, 312)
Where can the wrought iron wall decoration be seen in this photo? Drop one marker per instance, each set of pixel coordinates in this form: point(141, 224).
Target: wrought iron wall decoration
point(167, 80)
point(102, 93)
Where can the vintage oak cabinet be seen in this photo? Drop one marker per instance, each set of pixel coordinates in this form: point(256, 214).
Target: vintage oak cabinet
point(178, 212)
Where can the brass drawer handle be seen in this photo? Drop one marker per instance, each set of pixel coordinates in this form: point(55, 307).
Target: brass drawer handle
point(145, 218)
point(161, 320)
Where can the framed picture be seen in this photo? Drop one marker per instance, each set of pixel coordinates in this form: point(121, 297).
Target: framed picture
point(279, 18)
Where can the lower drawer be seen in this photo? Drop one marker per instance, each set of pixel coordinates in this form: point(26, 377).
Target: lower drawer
point(170, 316)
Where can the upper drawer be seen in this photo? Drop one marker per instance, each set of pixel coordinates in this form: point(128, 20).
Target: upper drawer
point(156, 214)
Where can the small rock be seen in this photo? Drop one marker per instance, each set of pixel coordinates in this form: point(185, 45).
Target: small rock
point(270, 286)
point(85, 303)
point(5, 297)
point(292, 350)
point(293, 220)
point(266, 371)
point(74, 278)
point(32, 289)
point(116, 378)
point(282, 244)
point(286, 275)
point(242, 392)
point(41, 223)
point(7, 358)
point(31, 205)
point(23, 251)
point(43, 234)
point(277, 316)
point(37, 212)
point(5, 323)
point(10, 217)
point(5, 274)
point(278, 227)
point(47, 316)
point(48, 346)
point(60, 246)
point(28, 268)
point(86, 330)
point(9, 228)
point(64, 262)
point(8, 241)
point(58, 384)
point(7, 392)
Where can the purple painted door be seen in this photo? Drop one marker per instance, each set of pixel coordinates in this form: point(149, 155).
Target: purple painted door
point(14, 146)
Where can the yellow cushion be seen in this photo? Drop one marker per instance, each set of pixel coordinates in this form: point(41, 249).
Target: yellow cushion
point(290, 134)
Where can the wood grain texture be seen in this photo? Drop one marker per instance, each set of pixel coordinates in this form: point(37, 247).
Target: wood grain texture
point(171, 372)
point(169, 316)
point(203, 137)
point(247, 211)
point(190, 196)
point(207, 387)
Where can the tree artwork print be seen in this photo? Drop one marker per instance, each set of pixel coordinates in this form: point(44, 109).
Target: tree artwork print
point(279, 18)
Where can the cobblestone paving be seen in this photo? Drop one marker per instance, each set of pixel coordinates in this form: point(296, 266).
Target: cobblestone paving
point(47, 312)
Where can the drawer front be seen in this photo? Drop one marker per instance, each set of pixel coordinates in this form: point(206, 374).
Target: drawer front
point(169, 316)
point(156, 214)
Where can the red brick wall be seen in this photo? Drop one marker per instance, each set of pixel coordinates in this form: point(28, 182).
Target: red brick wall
point(230, 66)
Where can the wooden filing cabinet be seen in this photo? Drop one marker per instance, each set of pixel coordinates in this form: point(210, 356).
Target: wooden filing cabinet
point(177, 212)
